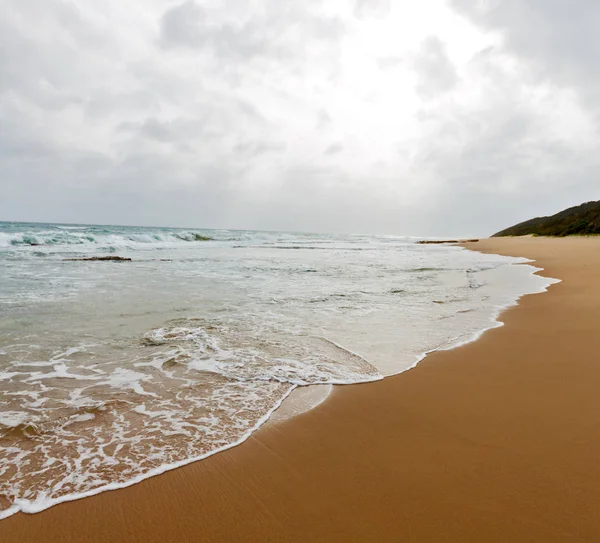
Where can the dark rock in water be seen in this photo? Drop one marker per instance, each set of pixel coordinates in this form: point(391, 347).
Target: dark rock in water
point(99, 258)
point(440, 241)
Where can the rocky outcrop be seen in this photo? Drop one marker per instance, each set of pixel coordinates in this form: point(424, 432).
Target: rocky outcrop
point(99, 258)
point(440, 241)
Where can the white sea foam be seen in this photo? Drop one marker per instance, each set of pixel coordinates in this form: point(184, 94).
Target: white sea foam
point(43, 501)
point(78, 238)
point(140, 368)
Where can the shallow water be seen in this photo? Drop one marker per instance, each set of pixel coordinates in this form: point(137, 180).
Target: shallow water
point(114, 371)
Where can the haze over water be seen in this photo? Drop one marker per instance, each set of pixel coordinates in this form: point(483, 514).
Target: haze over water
point(111, 372)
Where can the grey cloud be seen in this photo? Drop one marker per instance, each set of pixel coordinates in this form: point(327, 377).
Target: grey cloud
point(226, 114)
point(372, 8)
point(88, 187)
point(181, 135)
point(107, 102)
point(256, 148)
point(277, 33)
point(183, 25)
point(497, 167)
point(559, 40)
point(324, 120)
point(46, 67)
point(17, 141)
point(436, 73)
point(188, 25)
point(334, 149)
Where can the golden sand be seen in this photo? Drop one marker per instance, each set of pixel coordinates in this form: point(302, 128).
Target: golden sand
point(496, 441)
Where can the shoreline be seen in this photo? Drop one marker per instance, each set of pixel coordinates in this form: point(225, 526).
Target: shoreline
point(300, 399)
point(311, 397)
point(390, 487)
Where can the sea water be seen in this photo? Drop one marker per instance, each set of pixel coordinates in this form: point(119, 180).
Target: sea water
point(111, 372)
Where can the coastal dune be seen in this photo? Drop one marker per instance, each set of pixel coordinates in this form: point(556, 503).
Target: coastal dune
point(498, 440)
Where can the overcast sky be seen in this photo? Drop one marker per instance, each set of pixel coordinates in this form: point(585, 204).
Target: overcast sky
point(436, 117)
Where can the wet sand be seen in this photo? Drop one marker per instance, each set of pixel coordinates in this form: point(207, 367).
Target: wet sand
point(498, 440)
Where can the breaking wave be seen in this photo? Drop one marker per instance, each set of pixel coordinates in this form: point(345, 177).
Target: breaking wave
point(193, 387)
point(82, 237)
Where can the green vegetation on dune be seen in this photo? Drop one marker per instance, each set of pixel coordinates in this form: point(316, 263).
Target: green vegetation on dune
point(583, 220)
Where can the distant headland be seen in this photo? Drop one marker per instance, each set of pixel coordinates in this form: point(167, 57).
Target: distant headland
point(583, 220)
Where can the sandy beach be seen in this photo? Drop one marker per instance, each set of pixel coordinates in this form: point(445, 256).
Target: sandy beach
point(497, 440)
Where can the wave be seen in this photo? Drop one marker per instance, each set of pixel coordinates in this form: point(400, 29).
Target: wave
point(22, 426)
point(98, 239)
point(199, 386)
point(298, 360)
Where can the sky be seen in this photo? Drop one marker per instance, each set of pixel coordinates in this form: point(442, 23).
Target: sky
point(437, 117)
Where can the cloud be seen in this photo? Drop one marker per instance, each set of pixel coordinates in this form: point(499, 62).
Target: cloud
point(510, 150)
point(275, 32)
point(345, 116)
point(188, 25)
point(334, 149)
point(324, 120)
point(256, 148)
point(558, 40)
point(435, 72)
point(372, 8)
point(183, 24)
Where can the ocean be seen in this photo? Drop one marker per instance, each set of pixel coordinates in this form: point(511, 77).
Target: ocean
point(114, 371)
